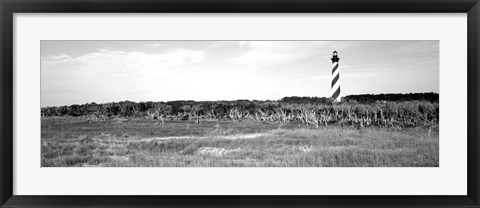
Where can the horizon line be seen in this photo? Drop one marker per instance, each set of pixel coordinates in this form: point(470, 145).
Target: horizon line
point(234, 99)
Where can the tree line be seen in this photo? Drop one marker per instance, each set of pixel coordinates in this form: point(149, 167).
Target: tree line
point(304, 110)
point(371, 98)
point(367, 98)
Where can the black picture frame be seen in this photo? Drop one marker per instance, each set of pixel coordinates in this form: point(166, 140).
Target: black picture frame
point(9, 7)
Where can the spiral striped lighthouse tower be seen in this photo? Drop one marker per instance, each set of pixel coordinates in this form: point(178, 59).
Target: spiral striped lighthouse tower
point(335, 78)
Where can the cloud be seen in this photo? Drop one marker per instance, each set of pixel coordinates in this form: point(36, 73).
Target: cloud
point(155, 45)
point(268, 53)
point(133, 60)
point(56, 59)
point(59, 56)
point(242, 43)
point(119, 75)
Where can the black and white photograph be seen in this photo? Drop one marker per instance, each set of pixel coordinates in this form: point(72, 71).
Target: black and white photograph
point(256, 103)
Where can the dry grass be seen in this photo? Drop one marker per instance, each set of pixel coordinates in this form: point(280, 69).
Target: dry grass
point(70, 142)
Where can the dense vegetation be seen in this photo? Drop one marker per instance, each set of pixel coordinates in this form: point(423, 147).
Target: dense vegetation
point(371, 98)
point(384, 110)
point(367, 98)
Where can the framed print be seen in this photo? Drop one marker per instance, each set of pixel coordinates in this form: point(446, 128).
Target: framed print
point(262, 103)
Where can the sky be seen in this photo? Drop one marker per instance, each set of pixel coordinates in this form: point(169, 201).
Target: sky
point(79, 72)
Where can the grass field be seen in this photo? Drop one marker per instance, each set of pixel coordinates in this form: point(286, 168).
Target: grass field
point(68, 141)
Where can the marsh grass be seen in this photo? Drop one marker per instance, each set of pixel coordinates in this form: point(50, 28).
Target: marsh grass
point(70, 142)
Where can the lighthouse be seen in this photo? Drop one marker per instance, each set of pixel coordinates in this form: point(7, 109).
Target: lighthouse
point(335, 78)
